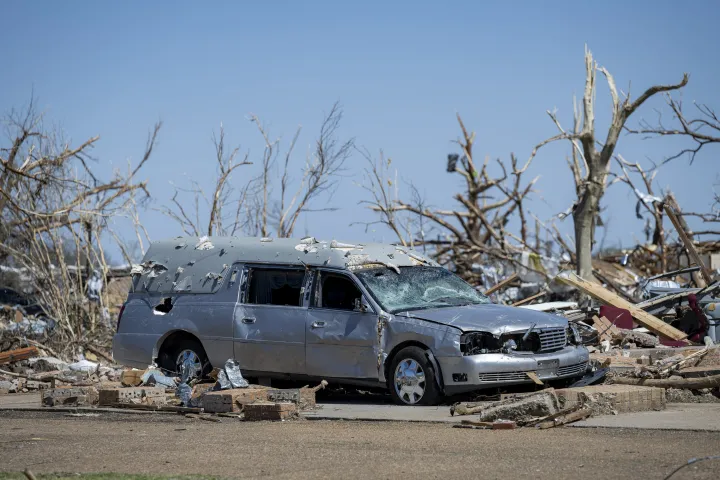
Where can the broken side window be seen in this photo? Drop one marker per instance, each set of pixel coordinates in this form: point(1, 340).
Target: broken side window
point(275, 287)
point(337, 292)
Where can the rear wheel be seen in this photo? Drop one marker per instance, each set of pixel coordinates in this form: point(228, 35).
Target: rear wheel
point(185, 350)
point(412, 378)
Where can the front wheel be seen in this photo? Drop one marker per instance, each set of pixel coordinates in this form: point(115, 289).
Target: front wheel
point(412, 378)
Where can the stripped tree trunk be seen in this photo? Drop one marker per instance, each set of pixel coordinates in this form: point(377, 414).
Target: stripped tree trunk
point(591, 157)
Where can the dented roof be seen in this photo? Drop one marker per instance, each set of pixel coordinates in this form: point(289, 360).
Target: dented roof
point(199, 264)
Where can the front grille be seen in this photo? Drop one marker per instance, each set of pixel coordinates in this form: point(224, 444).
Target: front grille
point(552, 339)
point(572, 369)
point(569, 370)
point(503, 377)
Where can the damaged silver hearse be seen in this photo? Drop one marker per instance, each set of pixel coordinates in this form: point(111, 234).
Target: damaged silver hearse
point(369, 315)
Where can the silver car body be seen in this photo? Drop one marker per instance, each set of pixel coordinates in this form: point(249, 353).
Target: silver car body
point(206, 282)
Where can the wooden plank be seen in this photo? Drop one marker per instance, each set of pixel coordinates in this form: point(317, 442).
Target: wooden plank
point(18, 354)
point(705, 277)
point(565, 419)
point(598, 274)
point(529, 299)
point(533, 376)
point(605, 296)
point(502, 284)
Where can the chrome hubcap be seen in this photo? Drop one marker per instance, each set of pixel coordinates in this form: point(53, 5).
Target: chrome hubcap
point(190, 361)
point(409, 381)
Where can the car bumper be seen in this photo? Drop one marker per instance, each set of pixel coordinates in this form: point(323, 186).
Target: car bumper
point(475, 372)
point(134, 349)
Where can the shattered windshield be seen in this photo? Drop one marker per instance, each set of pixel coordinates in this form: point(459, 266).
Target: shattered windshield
point(416, 288)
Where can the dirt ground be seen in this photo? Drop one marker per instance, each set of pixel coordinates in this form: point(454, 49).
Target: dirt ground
point(172, 444)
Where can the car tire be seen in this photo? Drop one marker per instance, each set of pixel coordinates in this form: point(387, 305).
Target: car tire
point(411, 378)
point(186, 347)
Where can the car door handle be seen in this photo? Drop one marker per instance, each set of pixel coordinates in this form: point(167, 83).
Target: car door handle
point(318, 325)
point(248, 320)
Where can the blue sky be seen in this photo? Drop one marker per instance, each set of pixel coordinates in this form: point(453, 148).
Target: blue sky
point(401, 70)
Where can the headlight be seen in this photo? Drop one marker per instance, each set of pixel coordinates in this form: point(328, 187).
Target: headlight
point(575, 334)
point(474, 343)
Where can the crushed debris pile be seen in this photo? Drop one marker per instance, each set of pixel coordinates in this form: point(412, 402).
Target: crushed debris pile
point(29, 380)
point(550, 407)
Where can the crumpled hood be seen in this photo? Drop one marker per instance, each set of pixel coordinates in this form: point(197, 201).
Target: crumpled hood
point(489, 317)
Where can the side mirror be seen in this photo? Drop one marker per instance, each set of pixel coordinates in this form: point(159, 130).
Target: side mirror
point(361, 305)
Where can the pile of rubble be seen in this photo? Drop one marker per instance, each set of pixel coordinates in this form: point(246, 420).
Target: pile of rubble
point(28, 380)
point(15, 320)
point(554, 407)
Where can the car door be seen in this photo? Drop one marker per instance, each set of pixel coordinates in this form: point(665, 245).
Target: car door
point(341, 338)
point(269, 320)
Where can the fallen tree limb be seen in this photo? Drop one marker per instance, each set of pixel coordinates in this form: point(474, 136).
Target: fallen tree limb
point(683, 383)
point(40, 346)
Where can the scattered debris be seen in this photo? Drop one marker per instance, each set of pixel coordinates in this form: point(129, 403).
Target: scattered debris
point(565, 417)
point(596, 291)
point(230, 376)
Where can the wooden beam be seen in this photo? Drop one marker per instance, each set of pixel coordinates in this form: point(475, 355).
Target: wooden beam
point(614, 286)
point(705, 276)
point(529, 299)
point(19, 354)
point(605, 296)
point(501, 284)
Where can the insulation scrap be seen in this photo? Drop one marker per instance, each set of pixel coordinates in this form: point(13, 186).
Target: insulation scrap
point(204, 244)
point(343, 246)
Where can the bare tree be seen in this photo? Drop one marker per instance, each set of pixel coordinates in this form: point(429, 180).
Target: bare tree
point(646, 201)
point(477, 228)
point(56, 214)
point(320, 174)
point(254, 209)
point(222, 200)
point(702, 130)
point(592, 156)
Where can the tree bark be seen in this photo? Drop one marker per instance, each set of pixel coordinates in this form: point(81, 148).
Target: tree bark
point(584, 220)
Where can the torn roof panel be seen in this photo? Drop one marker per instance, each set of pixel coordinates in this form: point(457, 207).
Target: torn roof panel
point(201, 270)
